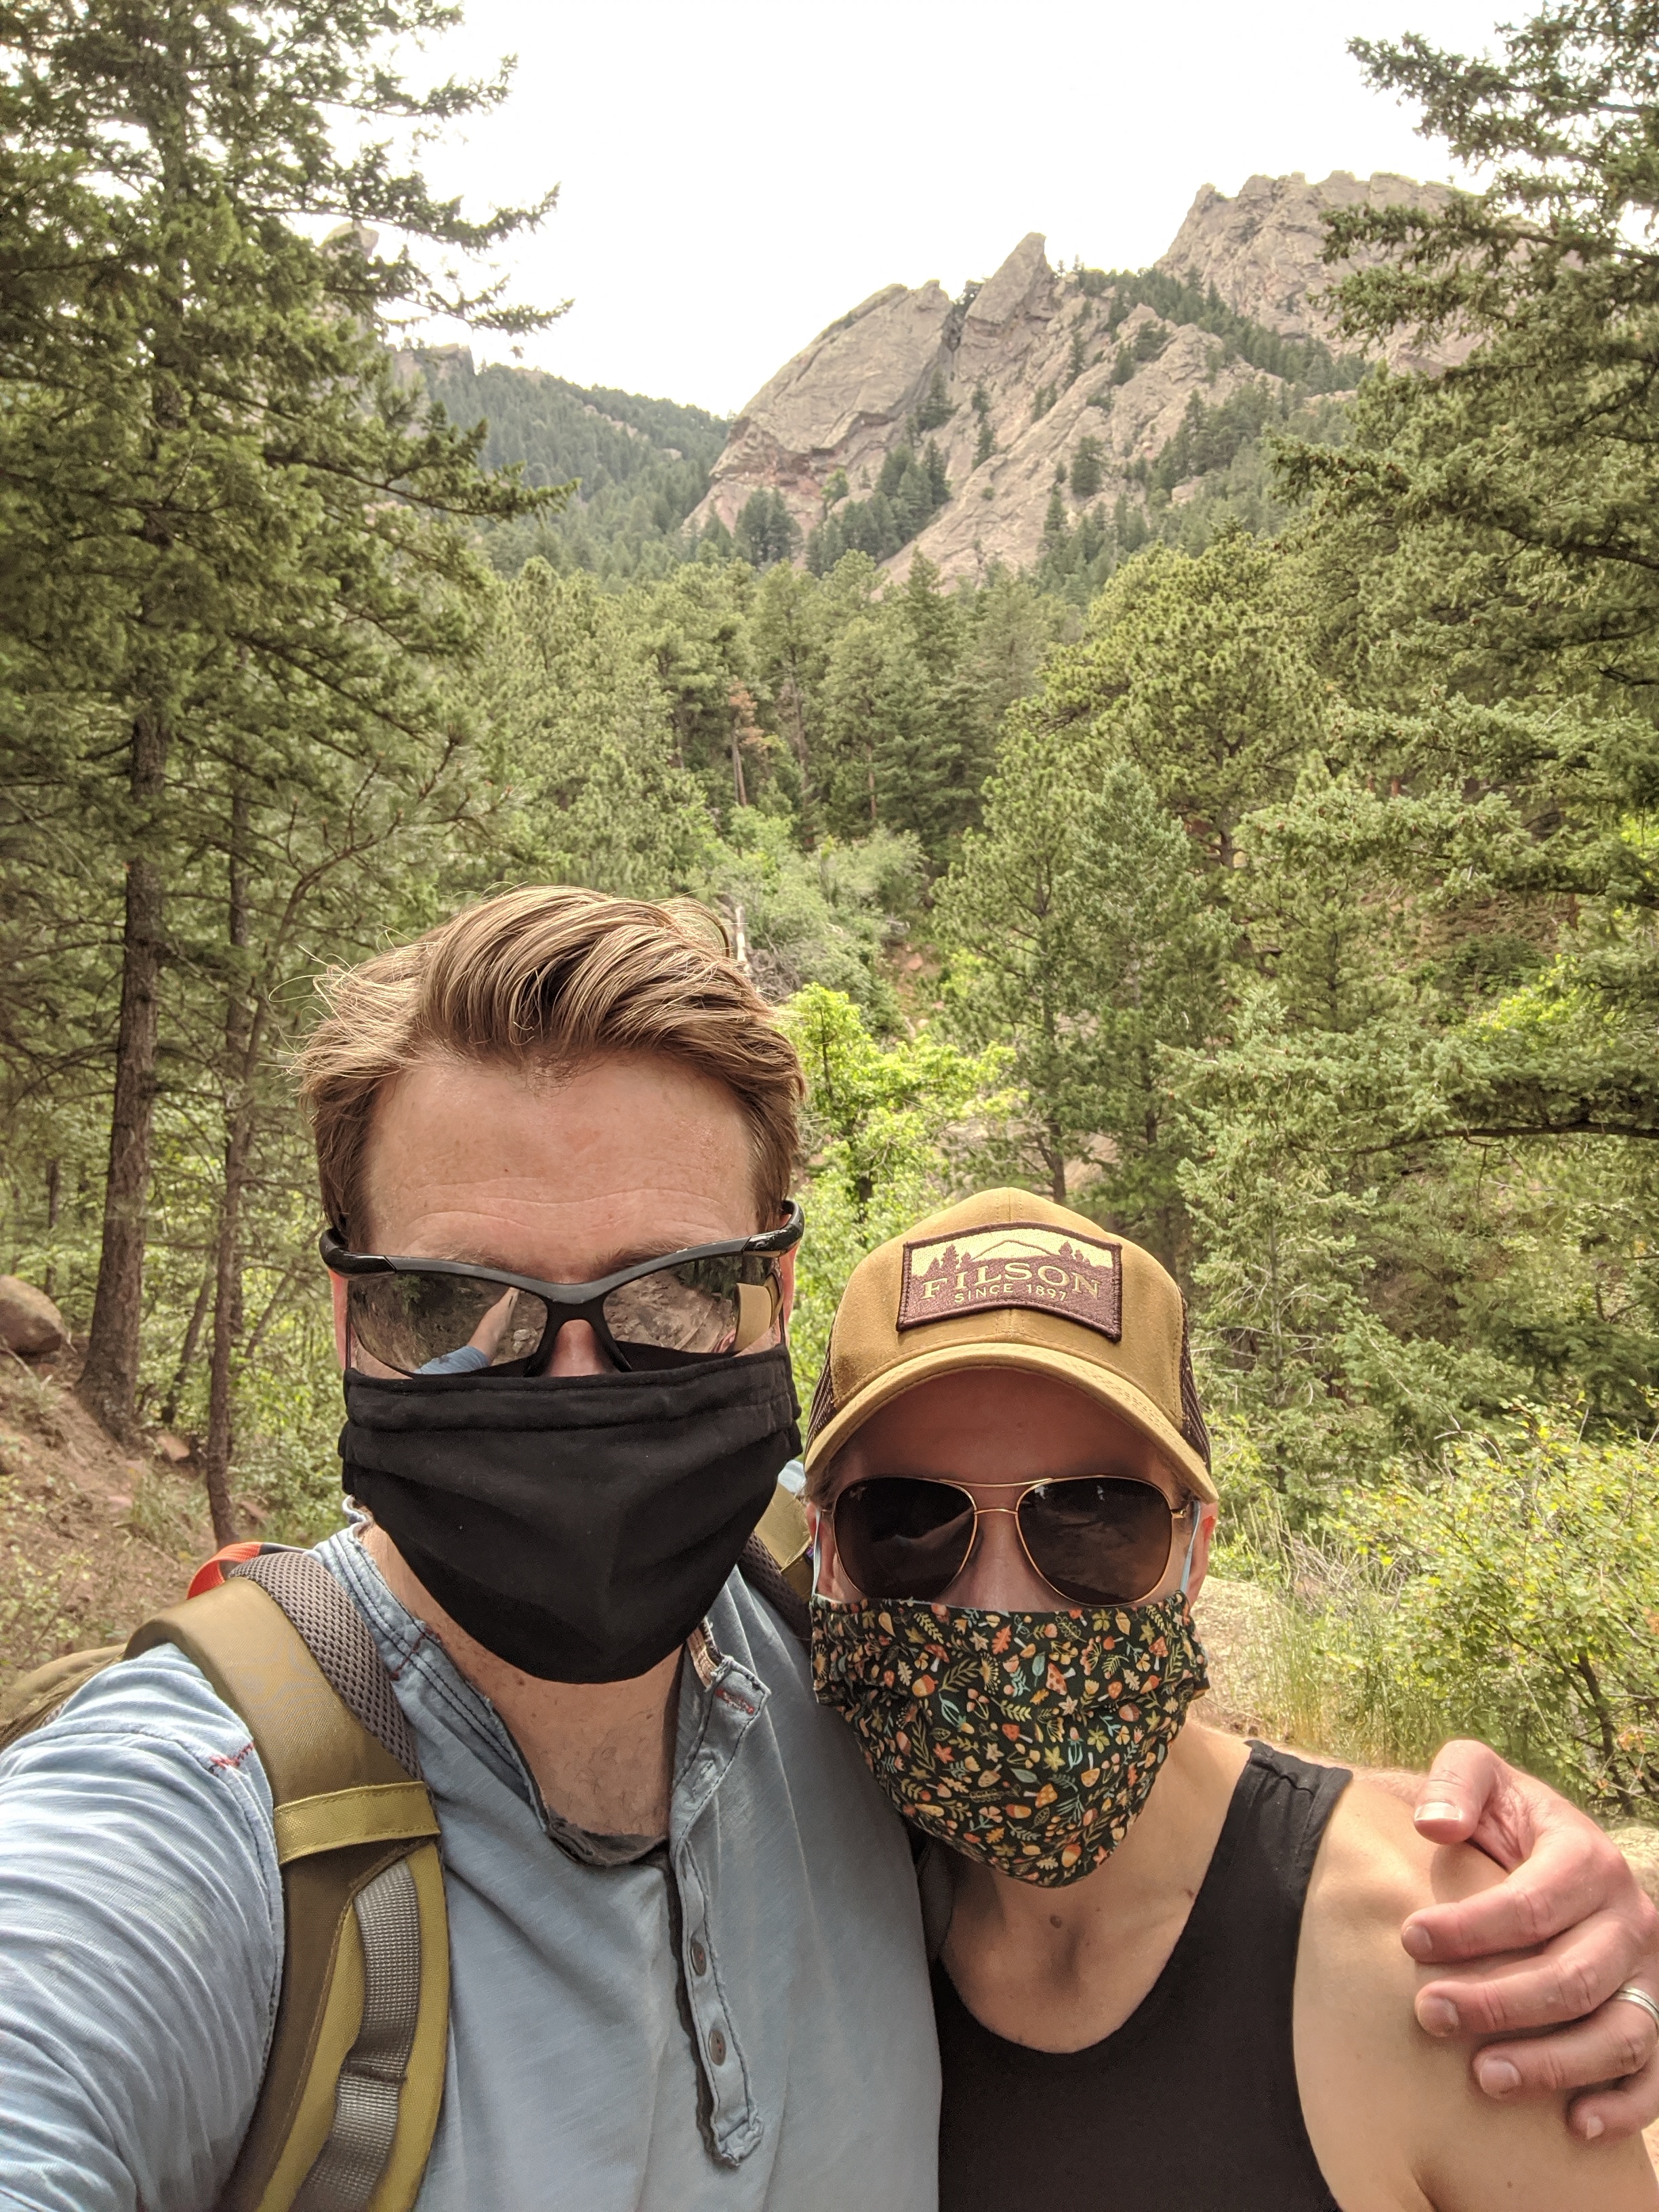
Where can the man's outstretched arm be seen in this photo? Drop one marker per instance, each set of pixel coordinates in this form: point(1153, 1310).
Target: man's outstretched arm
point(1569, 1889)
point(141, 1946)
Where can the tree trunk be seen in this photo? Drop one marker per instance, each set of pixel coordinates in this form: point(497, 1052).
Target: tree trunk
point(740, 941)
point(741, 795)
point(187, 1349)
point(227, 1320)
point(54, 1200)
point(1055, 1160)
point(109, 1381)
point(273, 1306)
point(239, 1150)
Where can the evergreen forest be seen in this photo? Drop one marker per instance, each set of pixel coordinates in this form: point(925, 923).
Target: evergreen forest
point(1278, 886)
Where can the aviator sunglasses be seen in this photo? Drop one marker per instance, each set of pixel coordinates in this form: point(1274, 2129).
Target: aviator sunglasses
point(1096, 1539)
point(710, 1300)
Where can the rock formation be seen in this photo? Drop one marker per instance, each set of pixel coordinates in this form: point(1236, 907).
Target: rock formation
point(1264, 252)
point(1033, 354)
point(30, 1324)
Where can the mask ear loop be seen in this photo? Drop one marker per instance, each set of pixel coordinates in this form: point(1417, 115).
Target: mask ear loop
point(1191, 1545)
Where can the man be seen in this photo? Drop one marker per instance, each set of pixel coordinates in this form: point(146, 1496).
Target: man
point(1170, 1978)
point(686, 1961)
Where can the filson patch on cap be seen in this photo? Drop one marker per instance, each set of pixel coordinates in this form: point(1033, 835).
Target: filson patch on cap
point(1016, 1263)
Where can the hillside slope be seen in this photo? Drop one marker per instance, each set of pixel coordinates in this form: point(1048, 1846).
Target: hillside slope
point(639, 465)
point(92, 1538)
point(1055, 402)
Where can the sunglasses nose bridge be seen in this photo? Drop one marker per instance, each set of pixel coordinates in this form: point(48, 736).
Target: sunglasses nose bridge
point(977, 1536)
point(577, 1341)
point(574, 1346)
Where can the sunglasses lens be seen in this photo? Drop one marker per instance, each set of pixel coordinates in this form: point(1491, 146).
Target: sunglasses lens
point(425, 1324)
point(899, 1537)
point(1099, 1539)
point(694, 1310)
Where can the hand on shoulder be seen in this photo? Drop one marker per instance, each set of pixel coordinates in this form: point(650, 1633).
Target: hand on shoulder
point(1395, 2120)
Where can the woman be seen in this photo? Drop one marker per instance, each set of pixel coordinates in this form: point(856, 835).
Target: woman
point(1171, 1974)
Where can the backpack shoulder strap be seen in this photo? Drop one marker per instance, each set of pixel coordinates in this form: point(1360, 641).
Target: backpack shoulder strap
point(355, 2075)
point(33, 1698)
point(775, 1563)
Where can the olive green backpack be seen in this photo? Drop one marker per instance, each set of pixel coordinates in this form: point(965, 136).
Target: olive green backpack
point(355, 2076)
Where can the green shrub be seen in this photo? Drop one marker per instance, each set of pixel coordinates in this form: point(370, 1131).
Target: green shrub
point(1527, 1604)
point(1512, 1594)
point(890, 1130)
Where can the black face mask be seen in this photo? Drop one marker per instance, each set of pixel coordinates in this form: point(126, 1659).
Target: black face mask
point(579, 1528)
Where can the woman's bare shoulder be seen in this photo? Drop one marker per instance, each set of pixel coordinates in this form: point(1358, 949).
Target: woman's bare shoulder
point(1393, 2115)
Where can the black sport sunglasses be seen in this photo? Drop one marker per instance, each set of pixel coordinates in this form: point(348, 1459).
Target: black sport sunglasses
point(421, 1317)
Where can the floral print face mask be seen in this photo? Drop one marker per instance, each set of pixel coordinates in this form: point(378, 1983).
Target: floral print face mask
point(1026, 1740)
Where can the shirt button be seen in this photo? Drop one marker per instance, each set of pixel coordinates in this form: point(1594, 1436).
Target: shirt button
point(699, 1957)
point(717, 2047)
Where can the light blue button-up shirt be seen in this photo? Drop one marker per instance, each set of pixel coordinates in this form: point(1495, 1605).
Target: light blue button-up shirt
point(739, 2021)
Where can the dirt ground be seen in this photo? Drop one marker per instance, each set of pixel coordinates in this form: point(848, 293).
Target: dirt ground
point(93, 1539)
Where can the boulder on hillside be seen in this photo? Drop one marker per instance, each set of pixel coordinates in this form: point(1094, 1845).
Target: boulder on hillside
point(30, 1324)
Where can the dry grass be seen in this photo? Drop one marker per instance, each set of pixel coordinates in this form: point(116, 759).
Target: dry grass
point(1242, 1627)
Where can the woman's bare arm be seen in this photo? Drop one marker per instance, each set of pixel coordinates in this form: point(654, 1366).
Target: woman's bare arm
point(1569, 1897)
point(1396, 2120)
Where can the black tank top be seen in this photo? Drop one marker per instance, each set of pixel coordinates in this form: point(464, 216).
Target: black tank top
point(1192, 2105)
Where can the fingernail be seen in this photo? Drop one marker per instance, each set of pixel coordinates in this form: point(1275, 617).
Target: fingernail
point(1498, 2077)
point(1438, 2015)
point(1438, 1811)
point(1417, 1941)
point(1591, 2129)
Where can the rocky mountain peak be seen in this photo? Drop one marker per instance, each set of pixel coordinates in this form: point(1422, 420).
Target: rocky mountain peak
point(1264, 250)
point(994, 396)
point(1023, 286)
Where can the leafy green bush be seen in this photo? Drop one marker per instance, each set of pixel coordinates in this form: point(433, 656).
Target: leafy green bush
point(889, 1132)
point(819, 917)
point(1512, 1594)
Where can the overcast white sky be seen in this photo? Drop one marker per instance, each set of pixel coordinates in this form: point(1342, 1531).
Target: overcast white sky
point(734, 175)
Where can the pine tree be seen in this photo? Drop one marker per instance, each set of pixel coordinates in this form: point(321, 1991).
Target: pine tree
point(716, 542)
point(1087, 470)
point(1200, 670)
point(766, 532)
point(1507, 648)
point(582, 741)
point(219, 499)
point(936, 410)
point(1053, 524)
point(1080, 935)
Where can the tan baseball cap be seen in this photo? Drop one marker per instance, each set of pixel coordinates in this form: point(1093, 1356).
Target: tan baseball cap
point(1007, 1279)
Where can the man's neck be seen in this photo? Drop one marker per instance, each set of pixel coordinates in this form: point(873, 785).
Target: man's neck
point(602, 1752)
point(1058, 1969)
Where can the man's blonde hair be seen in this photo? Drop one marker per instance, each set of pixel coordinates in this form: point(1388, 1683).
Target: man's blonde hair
point(559, 977)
